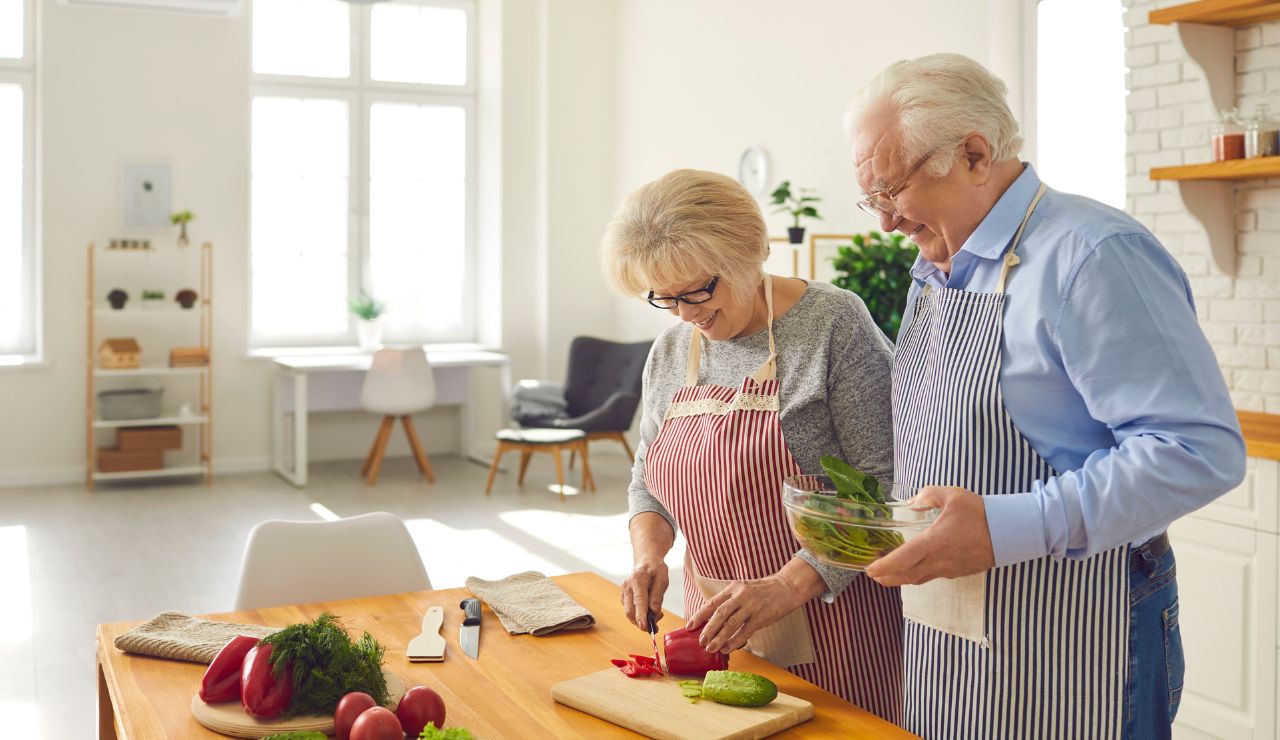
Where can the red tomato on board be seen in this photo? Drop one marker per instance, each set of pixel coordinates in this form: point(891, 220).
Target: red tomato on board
point(377, 723)
point(419, 706)
point(350, 707)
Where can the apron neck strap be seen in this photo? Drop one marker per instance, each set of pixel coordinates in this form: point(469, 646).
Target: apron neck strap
point(767, 371)
point(1011, 259)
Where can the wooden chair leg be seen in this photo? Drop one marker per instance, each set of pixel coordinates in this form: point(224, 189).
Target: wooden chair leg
point(419, 454)
point(525, 454)
point(368, 459)
point(622, 437)
point(493, 469)
point(380, 449)
point(588, 480)
point(555, 450)
point(573, 456)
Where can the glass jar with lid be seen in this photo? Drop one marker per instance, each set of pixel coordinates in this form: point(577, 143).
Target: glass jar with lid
point(1228, 137)
point(1261, 135)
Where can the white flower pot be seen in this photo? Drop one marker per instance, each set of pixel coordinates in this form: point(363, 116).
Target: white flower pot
point(369, 334)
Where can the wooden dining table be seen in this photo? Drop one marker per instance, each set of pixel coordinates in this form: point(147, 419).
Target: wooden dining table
point(506, 692)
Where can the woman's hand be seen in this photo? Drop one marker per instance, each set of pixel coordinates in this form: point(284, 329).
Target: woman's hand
point(742, 608)
point(643, 591)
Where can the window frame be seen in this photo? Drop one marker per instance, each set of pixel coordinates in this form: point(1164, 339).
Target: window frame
point(21, 71)
point(360, 92)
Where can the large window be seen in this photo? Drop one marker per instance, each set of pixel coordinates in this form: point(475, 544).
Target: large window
point(362, 170)
point(1080, 92)
point(19, 296)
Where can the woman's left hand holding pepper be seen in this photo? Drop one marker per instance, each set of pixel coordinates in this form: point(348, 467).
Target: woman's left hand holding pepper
point(744, 607)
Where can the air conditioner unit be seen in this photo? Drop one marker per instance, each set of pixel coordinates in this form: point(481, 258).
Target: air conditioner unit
point(225, 8)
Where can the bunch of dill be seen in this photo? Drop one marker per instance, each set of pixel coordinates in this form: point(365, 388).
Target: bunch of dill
point(327, 665)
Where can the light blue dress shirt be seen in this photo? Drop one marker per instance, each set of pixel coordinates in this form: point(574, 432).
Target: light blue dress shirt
point(1104, 370)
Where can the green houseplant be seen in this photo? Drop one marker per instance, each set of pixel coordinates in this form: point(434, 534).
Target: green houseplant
point(878, 268)
point(181, 219)
point(152, 298)
point(799, 204)
point(369, 328)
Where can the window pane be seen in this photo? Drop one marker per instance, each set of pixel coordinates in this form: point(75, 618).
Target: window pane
point(309, 38)
point(412, 43)
point(14, 279)
point(417, 218)
point(11, 28)
point(1080, 148)
point(298, 229)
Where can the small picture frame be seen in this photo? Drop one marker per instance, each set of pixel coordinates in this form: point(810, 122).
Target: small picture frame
point(823, 248)
point(144, 195)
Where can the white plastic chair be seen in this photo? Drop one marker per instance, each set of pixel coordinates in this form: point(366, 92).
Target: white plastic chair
point(398, 384)
point(301, 562)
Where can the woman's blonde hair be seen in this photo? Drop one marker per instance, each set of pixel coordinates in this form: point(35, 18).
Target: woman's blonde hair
point(686, 225)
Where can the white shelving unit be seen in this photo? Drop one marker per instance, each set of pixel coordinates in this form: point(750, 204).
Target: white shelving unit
point(201, 422)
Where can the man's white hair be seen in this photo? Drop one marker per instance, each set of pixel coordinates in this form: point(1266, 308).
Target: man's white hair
point(937, 100)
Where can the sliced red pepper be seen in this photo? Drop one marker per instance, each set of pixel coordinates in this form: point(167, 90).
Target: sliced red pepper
point(642, 666)
point(264, 695)
point(619, 662)
point(644, 660)
point(221, 681)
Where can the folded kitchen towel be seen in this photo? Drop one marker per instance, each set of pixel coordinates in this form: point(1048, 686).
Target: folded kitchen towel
point(531, 603)
point(179, 637)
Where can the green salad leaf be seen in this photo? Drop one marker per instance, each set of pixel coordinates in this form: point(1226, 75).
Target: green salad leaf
point(431, 732)
point(840, 539)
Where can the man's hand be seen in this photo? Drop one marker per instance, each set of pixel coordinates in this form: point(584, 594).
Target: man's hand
point(957, 544)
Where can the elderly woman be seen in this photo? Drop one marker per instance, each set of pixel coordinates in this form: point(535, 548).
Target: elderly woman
point(761, 377)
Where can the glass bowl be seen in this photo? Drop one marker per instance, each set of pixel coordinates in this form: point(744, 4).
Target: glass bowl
point(848, 533)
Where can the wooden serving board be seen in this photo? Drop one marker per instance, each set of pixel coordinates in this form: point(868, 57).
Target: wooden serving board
point(229, 718)
point(655, 707)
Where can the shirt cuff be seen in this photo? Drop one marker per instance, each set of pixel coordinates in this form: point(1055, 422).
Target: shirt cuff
point(1016, 527)
point(837, 579)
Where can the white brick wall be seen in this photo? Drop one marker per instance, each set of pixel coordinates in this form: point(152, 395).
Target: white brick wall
point(1168, 124)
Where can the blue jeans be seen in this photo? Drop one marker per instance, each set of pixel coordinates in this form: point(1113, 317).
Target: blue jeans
point(1155, 644)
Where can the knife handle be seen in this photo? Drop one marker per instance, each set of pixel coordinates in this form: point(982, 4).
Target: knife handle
point(653, 622)
point(471, 608)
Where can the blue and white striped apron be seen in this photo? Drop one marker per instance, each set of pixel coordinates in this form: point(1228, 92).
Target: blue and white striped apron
point(1053, 658)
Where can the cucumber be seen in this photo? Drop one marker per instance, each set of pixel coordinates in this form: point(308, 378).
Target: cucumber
point(738, 689)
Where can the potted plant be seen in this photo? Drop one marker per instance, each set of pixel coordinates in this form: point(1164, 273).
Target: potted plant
point(185, 297)
point(181, 219)
point(368, 328)
point(117, 298)
point(152, 298)
point(878, 268)
point(798, 204)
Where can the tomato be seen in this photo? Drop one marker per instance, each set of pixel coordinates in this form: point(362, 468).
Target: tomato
point(419, 706)
point(377, 723)
point(351, 706)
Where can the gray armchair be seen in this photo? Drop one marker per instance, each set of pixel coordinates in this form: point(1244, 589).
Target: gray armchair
point(601, 392)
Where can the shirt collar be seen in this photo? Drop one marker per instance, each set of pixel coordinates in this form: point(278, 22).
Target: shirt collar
point(994, 235)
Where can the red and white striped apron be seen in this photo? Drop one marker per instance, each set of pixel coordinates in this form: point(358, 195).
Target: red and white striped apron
point(717, 466)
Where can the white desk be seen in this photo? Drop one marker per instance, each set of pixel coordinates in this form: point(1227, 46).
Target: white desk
point(309, 383)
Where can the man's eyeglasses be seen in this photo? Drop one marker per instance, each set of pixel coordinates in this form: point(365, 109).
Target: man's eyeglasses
point(880, 201)
point(693, 297)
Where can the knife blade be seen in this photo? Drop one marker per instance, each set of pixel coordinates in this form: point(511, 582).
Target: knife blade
point(469, 632)
point(653, 637)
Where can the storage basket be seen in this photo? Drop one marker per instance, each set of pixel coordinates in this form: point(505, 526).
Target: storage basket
point(129, 403)
point(142, 439)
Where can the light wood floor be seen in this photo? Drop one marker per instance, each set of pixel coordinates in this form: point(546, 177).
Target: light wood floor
point(70, 560)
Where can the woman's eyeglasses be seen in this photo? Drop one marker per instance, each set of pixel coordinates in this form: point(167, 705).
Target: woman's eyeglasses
point(693, 297)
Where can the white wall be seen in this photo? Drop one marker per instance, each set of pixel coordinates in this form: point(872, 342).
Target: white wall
point(698, 82)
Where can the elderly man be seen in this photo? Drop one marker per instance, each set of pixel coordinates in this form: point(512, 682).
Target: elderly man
point(1055, 398)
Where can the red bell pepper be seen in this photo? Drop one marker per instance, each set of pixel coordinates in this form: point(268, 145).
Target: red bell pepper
point(638, 666)
point(686, 657)
point(222, 680)
point(264, 695)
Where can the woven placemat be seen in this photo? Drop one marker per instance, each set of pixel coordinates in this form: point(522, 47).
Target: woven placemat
point(179, 637)
point(531, 603)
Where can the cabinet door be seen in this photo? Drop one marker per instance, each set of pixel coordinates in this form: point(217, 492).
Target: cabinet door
point(1255, 503)
point(1227, 584)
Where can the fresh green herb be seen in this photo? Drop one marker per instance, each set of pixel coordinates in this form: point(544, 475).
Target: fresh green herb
point(327, 665)
point(858, 497)
point(431, 732)
point(153, 295)
point(297, 736)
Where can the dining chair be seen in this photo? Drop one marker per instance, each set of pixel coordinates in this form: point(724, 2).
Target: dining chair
point(399, 384)
point(288, 562)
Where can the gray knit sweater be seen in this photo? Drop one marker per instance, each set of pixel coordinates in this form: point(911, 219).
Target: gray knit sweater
point(833, 367)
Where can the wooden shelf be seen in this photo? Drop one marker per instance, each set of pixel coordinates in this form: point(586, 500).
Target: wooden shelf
point(157, 370)
point(152, 422)
point(1232, 169)
point(134, 312)
point(159, 473)
point(1218, 12)
point(1261, 434)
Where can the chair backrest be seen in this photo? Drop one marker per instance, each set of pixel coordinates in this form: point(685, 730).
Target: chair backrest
point(599, 368)
point(399, 382)
point(301, 562)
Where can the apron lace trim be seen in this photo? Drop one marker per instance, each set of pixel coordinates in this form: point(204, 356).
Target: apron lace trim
point(717, 407)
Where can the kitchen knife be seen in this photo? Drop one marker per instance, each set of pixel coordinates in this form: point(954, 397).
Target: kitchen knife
point(653, 637)
point(469, 632)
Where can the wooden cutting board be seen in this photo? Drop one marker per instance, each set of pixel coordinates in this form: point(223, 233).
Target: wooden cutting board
point(229, 718)
point(655, 707)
